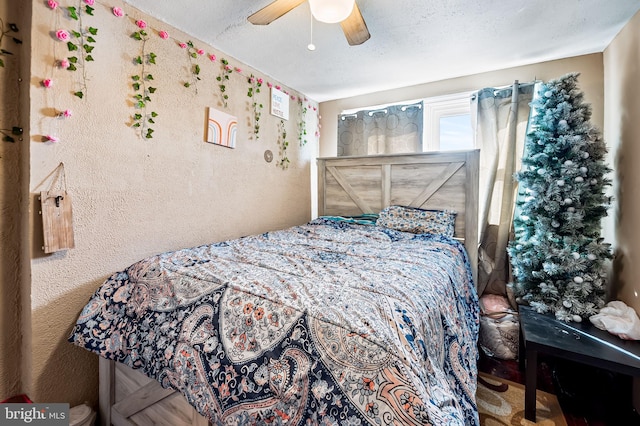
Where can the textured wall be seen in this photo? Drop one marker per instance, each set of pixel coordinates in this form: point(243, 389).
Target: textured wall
point(14, 81)
point(134, 197)
point(622, 131)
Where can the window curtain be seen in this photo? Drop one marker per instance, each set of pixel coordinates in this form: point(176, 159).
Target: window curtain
point(388, 130)
point(500, 118)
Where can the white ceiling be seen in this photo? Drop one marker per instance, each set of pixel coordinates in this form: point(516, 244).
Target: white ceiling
point(412, 41)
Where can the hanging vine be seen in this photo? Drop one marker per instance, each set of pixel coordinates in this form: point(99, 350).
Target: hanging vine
point(302, 122)
point(8, 134)
point(223, 78)
point(141, 84)
point(192, 53)
point(254, 88)
point(81, 41)
point(4, 32)
point(283, 144)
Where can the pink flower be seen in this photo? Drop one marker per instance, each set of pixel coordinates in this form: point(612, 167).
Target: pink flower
point(51, 138)
point(183, 45)
point(200, 51)
point(66, 113)
point(293, 98)
point(47, 83)
point(228, 68)
point(212, 57)
point(64, 64)
point(238, 69)
point(89, 2)
point(163, 35)
point(63, 35)
point(117, 12)
point(269, 85)
point(260, 81)
point(141, 24)
point(52, 4)
point(278, 87)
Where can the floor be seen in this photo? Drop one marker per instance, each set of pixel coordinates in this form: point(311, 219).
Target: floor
point(588, 396)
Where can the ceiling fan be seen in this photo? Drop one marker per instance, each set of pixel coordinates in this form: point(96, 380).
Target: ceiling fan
point(331, 11)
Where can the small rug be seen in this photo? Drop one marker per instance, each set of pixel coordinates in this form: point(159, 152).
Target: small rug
point(501, 402)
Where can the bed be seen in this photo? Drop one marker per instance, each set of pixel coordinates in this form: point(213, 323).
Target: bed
point(337, 321)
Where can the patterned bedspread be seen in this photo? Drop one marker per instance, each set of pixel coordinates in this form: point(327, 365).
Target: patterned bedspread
point(326, 323)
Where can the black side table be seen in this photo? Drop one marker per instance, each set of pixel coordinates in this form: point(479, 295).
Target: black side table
point(581, 342)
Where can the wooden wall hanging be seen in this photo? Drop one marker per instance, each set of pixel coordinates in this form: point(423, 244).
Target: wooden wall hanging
point(57, 218)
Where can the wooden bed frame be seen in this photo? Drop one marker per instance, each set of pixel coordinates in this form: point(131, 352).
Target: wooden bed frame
point(430, 180)
point(346, 186)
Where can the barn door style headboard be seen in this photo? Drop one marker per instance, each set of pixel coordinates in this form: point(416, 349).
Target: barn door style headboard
point(350, 186)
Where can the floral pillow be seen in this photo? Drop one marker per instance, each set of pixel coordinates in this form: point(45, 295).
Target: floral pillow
point(418, 221)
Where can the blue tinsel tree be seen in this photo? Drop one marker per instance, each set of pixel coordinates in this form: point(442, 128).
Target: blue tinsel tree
point(558, 257)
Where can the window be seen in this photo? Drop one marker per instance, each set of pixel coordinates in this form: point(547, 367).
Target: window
point(434, 124)
point(448, 123)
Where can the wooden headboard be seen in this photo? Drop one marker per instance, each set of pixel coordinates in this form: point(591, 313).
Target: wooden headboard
point(429, 180)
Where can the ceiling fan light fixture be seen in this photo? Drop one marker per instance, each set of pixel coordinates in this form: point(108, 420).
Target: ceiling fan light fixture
point(331, 11)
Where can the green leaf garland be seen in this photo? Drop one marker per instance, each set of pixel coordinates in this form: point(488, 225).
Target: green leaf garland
point(83, 43)
point(302, 122)
point(223, 78)
point(254, 88)
point(143, 119)
point(283, 144)
point(13, 28)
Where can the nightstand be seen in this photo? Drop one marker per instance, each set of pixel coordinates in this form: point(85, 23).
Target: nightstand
point(580, 342)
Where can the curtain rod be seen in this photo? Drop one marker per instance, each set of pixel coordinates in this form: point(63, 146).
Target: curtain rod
point(497, 90)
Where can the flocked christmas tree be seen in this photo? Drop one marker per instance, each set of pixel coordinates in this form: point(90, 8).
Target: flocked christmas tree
point(558, 257)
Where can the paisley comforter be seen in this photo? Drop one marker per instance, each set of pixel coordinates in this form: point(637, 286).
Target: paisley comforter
point(326, 323)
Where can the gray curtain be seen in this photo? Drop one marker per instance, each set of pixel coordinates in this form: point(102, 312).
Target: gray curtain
point(388, 130)
point(500, 118)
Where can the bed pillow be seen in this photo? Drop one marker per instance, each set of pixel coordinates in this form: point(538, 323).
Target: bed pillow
point(418, 221)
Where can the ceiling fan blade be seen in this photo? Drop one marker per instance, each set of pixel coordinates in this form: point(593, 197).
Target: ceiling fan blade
point(273, 11)
point(354, 27)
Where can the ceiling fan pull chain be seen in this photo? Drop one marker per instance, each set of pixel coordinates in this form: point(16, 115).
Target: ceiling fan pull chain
point(311, 46)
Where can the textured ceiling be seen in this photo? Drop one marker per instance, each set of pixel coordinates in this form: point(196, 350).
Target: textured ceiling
point(412, 41)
